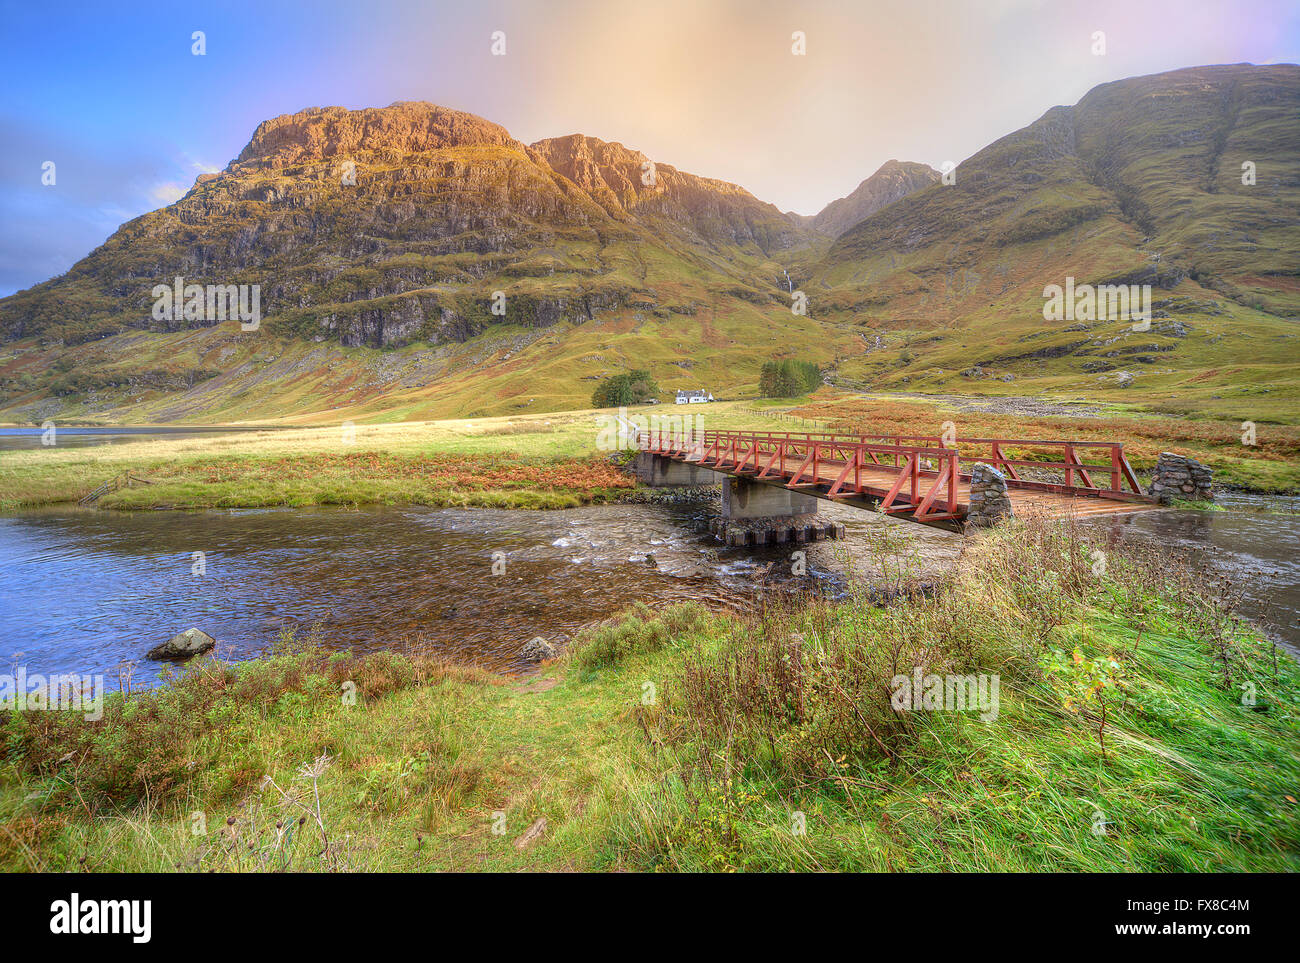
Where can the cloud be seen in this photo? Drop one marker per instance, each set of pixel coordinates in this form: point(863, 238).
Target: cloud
point(168, 192)
point(99, 186)
point(198, 166)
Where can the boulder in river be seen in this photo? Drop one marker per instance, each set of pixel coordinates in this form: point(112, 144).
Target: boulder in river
point(537, 649)
point(188, 643)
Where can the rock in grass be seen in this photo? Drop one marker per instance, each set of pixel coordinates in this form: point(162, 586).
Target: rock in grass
point(531, 834)
point(537, 649)
point(188, 643)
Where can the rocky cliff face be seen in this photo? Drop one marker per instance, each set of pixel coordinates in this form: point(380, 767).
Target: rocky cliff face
point(892, 182)
point(404, 128)
point(381, 227)
point(627, 182)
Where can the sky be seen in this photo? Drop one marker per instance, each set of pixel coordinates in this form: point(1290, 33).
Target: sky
point(115, 96)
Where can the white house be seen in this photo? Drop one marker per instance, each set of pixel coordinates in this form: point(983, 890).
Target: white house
point(693, 397)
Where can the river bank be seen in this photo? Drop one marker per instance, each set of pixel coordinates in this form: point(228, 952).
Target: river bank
point(555, 460)
point(476, 585)
point(1138, 726)
point(539, 462)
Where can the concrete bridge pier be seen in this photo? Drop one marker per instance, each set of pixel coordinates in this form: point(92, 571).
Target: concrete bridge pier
point(757, 514)
point(656, 471)
point(743, 499)
point(753, 513)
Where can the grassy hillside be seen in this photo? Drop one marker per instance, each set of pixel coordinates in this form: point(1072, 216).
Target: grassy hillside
point(1138, 183)
point(220, 375)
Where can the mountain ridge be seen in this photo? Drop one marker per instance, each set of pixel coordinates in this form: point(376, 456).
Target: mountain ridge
point(606, 261)
point(891, 182)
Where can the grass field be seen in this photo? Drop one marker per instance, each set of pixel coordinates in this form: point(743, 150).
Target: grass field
point(556, 460)
point(1124, 739)
point(544, 461)
point(524, 461)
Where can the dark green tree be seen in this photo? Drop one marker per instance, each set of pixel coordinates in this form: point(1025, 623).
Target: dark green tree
point(634, 388)
point(788, 378)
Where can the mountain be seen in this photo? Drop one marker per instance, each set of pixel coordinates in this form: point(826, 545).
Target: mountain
point(714, 211)
point(403, 228)
point(463, 272)
point(1153, 165)
point(1141, 182)
point(445, 209)
point(892, 182)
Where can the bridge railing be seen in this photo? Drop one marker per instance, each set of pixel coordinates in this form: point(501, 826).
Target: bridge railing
point(808, 461)
point(1076, 461)
point(1114, 477)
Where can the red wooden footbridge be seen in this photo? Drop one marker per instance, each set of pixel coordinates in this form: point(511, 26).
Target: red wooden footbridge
point(918, 477)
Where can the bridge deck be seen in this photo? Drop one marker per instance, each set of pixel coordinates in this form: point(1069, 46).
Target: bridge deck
point(1046, 503)
point(919, 478)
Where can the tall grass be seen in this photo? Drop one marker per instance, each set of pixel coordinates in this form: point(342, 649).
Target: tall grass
point(1141, 726)
point(1116, 666)
point(148, 743)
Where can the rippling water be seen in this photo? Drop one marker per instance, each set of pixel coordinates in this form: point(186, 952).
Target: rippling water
point(1256, 543)
point(17, 439)
point(85, 590)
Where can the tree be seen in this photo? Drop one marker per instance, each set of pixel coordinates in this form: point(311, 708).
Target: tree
point(785, 379)
point(633, 388)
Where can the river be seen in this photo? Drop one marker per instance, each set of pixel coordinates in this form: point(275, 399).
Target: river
point(86, 590)
point(74, 436)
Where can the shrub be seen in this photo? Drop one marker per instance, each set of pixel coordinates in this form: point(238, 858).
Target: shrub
point(639, 631)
